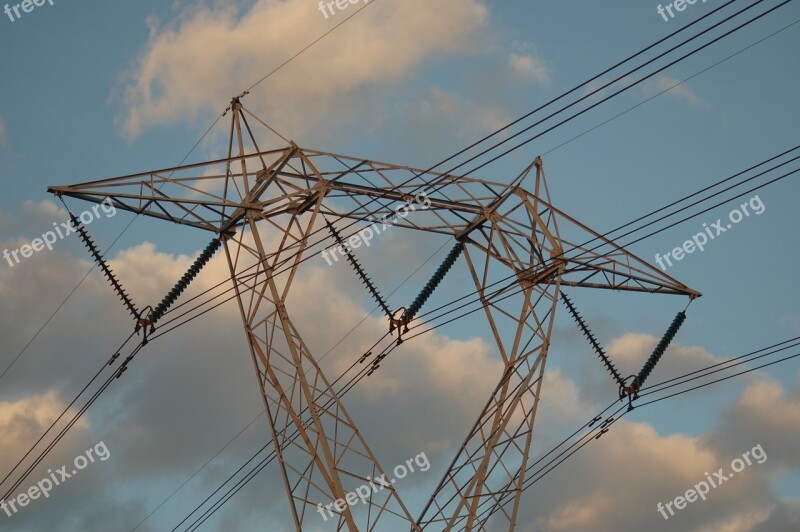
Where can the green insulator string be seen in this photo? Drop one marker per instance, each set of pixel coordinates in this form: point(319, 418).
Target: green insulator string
point(434, 281)
point(184, 281)
point(660, 349)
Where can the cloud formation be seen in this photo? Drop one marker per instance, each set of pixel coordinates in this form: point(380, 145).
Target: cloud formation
point(529, 67)
point(211, 54)
point(192, 391)
point(674, 88)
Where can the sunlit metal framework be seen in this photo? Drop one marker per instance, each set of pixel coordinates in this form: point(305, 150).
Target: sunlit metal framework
point(269, 207)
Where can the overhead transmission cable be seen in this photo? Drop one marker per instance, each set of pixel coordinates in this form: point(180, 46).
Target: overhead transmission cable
point(588, 437)
point(668, 89)
point(308, 247)
point(620, 91)
point(683, 199)
point(194, 147)
point(691, 195)
point(75, 418)
point(351, 224)
point(427, 183)
point(744, 24)
point(564, 455)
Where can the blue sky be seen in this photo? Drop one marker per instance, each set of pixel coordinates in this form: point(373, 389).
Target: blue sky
point(89, 91)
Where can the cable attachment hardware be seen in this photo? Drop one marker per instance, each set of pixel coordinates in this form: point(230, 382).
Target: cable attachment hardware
point(359, 270)
point(81, 229)
point(398, 323)
point(595, 420)
point(376, 363)
point(631, 391)
point(124, 367)
point(605, 426)
point(184, 282)
point(145, 323)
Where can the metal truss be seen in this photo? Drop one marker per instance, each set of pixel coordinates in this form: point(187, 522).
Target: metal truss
point(269, 208)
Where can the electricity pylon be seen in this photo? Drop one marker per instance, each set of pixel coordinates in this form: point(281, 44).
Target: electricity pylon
point(510, 237)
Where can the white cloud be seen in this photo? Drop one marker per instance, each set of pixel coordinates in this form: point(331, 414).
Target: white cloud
point(631, 350)
point(595, 85)
point(649, 88)
point(212, 54)
point(46, 208)
point(529, 67)
point(24, 420)
point(675, 88)
point(188, 394)
point(616, 482)
point(742, 522)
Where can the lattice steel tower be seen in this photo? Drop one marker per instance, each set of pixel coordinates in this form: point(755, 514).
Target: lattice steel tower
point(265, 208)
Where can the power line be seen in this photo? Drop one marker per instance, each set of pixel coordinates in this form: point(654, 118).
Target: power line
point(635, 83)
point(566, 454)
point(434, 327)
point(685, 80)
point(276, 69)
point(350, 384)
point(116, 374)
point(673, 63)
point(261, 413)
point(717, 39)
point(726, 364)
point(124, 230)
point(312, 43)
point(581, 85)
point(63, 413)
point(595, 91)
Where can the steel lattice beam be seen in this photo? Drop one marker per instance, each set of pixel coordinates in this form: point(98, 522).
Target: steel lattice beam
point(268, 205)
